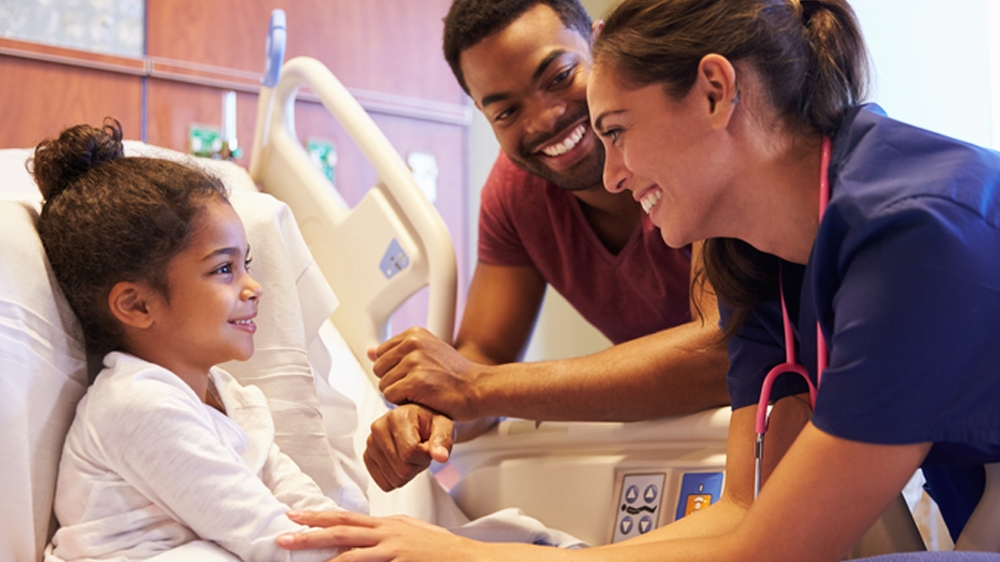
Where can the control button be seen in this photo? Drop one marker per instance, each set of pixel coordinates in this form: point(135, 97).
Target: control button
point(632, 494)
point(698, 491)
point(645, 524)
point(650, 495)
point(626, 526)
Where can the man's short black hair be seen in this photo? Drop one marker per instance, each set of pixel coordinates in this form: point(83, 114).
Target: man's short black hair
point(470, 21)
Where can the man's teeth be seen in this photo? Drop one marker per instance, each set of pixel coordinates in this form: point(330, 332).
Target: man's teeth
point(648, 201)
point(566, 145)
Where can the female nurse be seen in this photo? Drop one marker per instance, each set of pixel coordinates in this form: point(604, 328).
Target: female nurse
point(745, 116)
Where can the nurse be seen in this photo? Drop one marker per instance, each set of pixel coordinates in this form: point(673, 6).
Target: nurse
point(742, 113)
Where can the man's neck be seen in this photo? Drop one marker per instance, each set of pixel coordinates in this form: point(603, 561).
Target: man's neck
point(612, 216)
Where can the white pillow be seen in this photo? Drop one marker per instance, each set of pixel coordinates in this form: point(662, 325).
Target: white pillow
point(42, 376)
point(43, 364)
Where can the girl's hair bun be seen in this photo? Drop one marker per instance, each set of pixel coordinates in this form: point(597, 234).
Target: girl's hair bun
point(58, 163)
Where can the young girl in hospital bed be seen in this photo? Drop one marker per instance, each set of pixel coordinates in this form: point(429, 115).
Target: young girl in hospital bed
point(168, 456)
point(167, 451)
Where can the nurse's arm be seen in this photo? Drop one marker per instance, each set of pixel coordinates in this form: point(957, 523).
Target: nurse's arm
point(788, 417)
point(819, 501)
point(816, 505)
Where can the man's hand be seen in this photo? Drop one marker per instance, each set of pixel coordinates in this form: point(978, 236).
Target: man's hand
point(404, 441)
point(415, 366)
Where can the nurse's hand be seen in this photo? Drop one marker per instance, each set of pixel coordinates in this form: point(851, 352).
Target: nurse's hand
point(404, 441)
point(416, 366)
point(363, 537)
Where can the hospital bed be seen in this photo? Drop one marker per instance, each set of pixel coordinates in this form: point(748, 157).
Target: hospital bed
point(601, 482)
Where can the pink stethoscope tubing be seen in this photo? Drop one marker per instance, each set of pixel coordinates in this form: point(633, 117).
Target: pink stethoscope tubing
point(791, 365)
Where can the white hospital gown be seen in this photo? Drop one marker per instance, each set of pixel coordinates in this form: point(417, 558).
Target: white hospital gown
point(147, 467)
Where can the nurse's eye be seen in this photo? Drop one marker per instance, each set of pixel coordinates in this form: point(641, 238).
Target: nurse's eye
point(612, 134)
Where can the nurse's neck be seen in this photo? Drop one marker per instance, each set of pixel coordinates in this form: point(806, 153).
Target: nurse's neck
point(787, 222)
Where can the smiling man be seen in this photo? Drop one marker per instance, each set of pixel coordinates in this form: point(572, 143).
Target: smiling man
point(547, 219)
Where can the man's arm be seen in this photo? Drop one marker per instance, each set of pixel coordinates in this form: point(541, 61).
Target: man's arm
point(501, 308)
point(673, 372)
point(676, 371)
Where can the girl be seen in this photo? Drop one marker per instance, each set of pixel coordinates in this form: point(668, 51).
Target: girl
point(880, 239)
point(167, 452)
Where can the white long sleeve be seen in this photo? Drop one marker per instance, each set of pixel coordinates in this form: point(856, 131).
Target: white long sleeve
point(147, 467)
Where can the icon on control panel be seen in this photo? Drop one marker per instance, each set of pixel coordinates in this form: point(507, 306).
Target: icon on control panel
point(698, 491)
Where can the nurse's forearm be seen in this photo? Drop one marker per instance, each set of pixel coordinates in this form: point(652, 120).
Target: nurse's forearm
point(674, 372)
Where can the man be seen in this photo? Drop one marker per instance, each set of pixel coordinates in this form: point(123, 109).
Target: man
point(546, 218)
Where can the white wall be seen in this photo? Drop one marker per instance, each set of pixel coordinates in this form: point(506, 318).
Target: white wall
point(932, 66)
point(932, 63)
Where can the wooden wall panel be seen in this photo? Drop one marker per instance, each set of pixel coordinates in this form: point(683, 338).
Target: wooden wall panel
point(390, 46)
point(174, 106)
point(387, 52)
point(41, 98)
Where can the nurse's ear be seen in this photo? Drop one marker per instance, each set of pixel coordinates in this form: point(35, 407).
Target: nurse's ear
point(716, 83)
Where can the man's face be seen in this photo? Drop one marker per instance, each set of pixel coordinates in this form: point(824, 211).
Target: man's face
point(530, 80)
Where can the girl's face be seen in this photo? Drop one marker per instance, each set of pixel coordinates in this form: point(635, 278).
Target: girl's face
point(208, 318)
point(648, 135)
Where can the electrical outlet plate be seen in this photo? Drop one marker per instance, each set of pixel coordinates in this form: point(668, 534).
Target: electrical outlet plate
point(323, 154)
point(204, 140)
point(638, 509)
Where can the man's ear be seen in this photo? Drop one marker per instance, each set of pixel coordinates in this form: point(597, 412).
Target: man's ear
point(717, 84)
point(132, 304)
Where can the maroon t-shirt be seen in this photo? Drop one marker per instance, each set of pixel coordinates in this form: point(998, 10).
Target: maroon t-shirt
point(526, 220)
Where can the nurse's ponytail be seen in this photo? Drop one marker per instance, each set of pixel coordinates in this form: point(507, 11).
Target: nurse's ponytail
point(810, 62)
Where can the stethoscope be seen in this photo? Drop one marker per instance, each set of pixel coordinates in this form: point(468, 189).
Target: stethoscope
point(791, 365)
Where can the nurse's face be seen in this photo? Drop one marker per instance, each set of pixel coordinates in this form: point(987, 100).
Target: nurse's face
point(659, 149)
point(530, 81)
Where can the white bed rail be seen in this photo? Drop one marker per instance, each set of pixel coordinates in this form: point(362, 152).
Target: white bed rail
point(405, 245)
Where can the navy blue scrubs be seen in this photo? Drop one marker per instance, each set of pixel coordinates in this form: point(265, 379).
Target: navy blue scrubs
point(904, 278)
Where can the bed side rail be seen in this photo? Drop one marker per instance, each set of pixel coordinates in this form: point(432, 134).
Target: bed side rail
point(377, 254)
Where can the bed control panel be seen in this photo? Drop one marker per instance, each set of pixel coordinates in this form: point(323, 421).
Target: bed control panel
point(639, 505)
point(644, 494)
point(698, 491)
point(394, 260)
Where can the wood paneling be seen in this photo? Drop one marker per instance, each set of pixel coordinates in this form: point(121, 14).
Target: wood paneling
point(391, 46)
point(387, 52)
point(42, 98)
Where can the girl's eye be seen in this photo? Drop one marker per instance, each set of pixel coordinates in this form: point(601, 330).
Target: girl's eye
point(224, 269)
point(246, 263)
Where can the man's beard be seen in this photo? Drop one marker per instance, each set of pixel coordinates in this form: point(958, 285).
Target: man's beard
point(585, 174)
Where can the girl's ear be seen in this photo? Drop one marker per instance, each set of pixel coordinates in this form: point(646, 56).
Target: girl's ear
point(717, 81)
point(131, 303)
